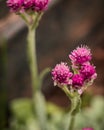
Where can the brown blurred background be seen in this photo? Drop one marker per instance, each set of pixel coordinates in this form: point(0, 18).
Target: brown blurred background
point(64, 26)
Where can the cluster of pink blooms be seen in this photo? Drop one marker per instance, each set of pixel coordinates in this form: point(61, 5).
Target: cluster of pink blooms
point(27, 5)
point(83, 73)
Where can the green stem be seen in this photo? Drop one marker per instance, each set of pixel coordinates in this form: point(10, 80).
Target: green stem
point(75, 108)
point(31, 48)
point(72, 121)
point(42, 76)
point(37, 19)
point(24, 18)
point(75, 105)
point(67, 92)
point(36, 79)
point(31, 52)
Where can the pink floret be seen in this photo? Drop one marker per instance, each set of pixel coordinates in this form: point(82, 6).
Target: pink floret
point(80, 55)
point(88, 72)
point(77, 81)
point(41, 5)
point(61, 74)
point(28, 4)
point(15, 5)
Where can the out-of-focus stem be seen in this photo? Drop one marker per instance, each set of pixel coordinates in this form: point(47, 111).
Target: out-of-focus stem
point(32, 57)
point(75, 105)
point(72, 121)
point(75, 108)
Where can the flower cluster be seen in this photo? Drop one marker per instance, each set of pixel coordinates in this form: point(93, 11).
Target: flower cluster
point(83, 73)
point(27, 5)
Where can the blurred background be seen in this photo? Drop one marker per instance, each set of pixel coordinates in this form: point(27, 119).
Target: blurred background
point(64, 26)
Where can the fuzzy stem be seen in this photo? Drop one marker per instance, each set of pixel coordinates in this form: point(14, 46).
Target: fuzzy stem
point(31, 52)
point(67, 92)
point(37, 19)
point(24, 18)
point(72, 121)
point(75, 108)
point(75, 105)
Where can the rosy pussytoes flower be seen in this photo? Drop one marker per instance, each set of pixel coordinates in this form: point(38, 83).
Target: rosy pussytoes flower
point(35, 5)
point(80, 55)
point(15, 5)
point(77, 81)
point(41, 5)
point(89, 128)
point(83, 73)
point(27, 5)
point(61, 74)
point(88, 71)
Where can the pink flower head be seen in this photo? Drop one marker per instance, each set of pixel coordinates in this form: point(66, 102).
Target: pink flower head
point(88, 71)
point(83, 72)
point(28, 4)
point(87, 129)
point(15, 5)
point(80, 55)
point(40, 5)
point(31, 5)
point(61, 74)
point(77, 81)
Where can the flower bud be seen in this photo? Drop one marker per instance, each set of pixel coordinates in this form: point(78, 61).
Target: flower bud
point(77, 81)
point(88, 72)
point(15, 5)
point(80, 55)
point(61, 74)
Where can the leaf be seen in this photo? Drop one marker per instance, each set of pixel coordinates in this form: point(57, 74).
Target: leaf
point(42, 76)
point(40, 108)
point(32, 124)
point(22, 109)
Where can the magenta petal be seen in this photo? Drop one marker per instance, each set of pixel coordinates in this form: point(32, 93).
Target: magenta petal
point(61, 74)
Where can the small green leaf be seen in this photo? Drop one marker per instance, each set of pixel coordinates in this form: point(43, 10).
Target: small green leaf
point(40, 108)
point(22, 109)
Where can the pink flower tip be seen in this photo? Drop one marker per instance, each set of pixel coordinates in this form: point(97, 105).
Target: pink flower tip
point(80, 55)
point(15, 5)
point(88, 128)
point(88, 72)
point(61, 74)
point(25, 5)
point(41, 5)
point(77, 81)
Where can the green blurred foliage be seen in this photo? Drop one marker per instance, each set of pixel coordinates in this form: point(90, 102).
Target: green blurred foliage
point(22, 109)
point(92, 116)
point(48, 116)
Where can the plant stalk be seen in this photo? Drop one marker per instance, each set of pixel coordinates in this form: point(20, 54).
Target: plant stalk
point(72, 121)
point(75, 108)
point(36, 79)
point(32, 57)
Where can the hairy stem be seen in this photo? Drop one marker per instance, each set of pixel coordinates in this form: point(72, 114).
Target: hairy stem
point(75, 108)
point(75, 105)
point(31, 52)
point(72, 121)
